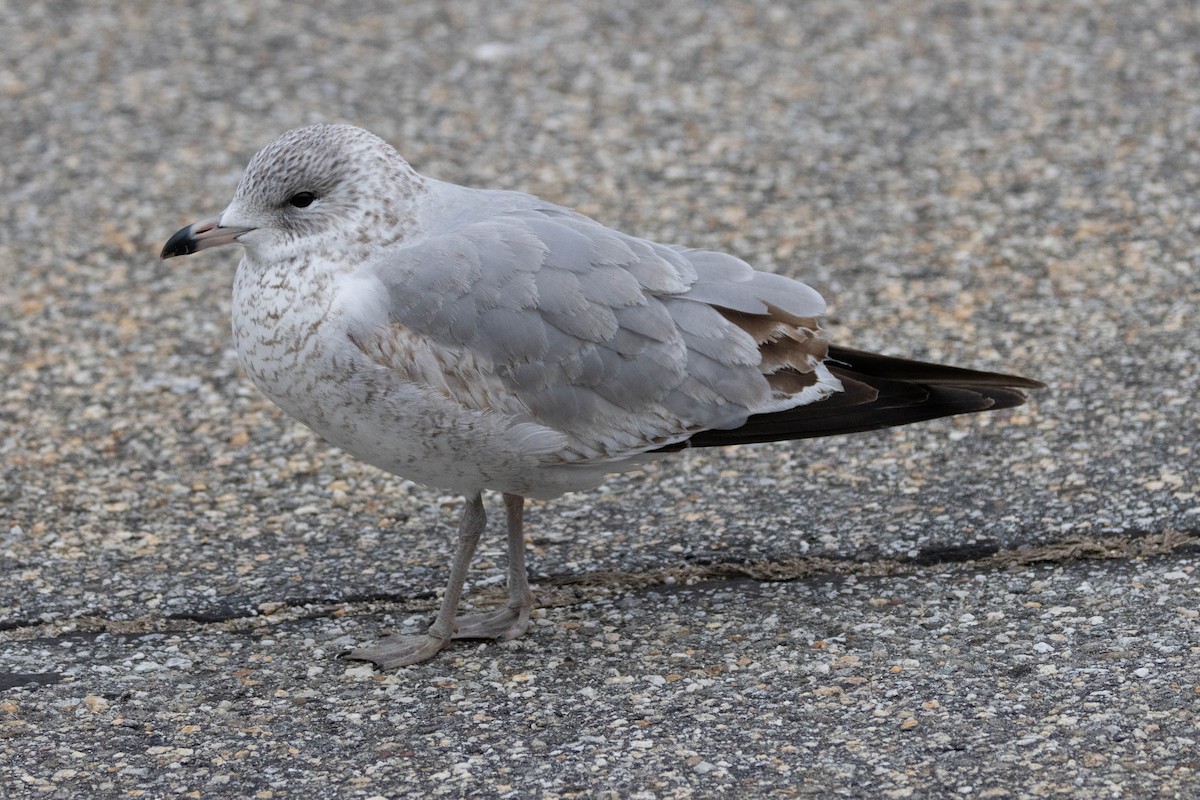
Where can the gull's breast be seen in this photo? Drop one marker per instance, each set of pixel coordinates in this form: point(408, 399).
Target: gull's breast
point(293, 335)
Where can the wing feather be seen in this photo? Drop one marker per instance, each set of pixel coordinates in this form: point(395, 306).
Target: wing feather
point(622, 344)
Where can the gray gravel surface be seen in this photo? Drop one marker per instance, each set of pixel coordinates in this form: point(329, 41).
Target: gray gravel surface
point(999, 606)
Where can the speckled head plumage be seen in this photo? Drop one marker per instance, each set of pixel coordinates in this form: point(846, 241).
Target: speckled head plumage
point(318, 190)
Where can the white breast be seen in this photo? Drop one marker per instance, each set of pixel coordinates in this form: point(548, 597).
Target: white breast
point(292, 334)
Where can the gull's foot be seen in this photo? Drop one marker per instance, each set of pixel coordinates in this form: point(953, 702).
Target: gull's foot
point(399, 650)
point(503, 623)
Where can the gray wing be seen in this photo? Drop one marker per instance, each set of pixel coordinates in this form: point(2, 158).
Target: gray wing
point(620, 343)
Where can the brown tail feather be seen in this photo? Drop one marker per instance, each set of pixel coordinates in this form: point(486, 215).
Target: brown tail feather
point(880, 392)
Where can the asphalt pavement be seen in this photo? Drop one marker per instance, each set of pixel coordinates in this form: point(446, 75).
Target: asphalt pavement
point(998, 606)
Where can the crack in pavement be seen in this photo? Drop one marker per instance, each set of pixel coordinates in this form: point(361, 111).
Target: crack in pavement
point(557, 591)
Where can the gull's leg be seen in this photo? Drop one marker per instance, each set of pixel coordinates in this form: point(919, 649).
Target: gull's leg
point(399, 650)
point(512, 620)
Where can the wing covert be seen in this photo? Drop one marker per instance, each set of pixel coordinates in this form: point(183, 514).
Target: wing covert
point(621, 343)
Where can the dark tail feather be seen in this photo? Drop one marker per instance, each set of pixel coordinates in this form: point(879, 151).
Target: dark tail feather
point(909, 371)
point(880, 392)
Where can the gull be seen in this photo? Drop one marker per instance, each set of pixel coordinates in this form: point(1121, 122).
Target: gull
point(471, 339)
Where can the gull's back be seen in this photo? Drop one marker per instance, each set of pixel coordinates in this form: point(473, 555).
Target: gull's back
point(621, 344)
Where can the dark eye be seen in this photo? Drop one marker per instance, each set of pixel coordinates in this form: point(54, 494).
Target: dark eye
point(302, 199)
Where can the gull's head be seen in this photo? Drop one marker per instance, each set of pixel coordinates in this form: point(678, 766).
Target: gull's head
point(322, 188)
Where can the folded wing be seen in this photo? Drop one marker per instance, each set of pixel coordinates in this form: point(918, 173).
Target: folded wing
point(622, 344)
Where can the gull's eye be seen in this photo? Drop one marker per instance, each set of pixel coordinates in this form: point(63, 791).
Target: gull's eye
point(302, 199)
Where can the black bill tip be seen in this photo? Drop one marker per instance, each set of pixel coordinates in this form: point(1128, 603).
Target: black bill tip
point(183, 243)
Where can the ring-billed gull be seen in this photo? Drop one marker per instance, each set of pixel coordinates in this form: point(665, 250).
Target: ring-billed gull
point(475, 339)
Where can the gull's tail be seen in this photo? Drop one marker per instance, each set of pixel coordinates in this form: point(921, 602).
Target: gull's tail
point(879, 392)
